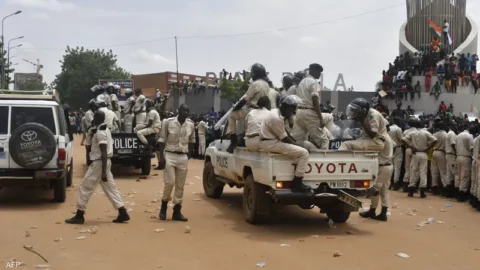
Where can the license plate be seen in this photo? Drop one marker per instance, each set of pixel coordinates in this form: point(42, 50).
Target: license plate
point(125, 151)
point(350, 200)
point(339, 184)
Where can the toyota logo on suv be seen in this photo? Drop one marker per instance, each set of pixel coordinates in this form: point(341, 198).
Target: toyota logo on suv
point(29, 135)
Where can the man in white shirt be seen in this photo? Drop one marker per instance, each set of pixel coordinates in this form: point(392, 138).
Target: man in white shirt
point(88, 118)
point(115, 106)
point(202, 141)
point(101, 143)
point(176, 139)
point(446, 28)
point(153, 123)
point(438, 166)
point(451, 158)
point(475, 170)
point(408, 156)
point(253, 123)
point(396, 134)
point(287, 82)
point(464, 145)
point(420, 141)
point(159, 95)
point(309, 120)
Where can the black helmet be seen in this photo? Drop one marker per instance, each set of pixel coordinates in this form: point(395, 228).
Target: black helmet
point(298, 76)
point(258, 71)
point(149, 103)
point(287, 81)
point(357, 109)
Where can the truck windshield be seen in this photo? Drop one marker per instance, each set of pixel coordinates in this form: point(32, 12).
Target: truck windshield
point(23, 115)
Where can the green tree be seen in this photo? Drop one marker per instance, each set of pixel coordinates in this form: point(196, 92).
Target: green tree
point(233, 90)
point(8, 69)
point(81, 70)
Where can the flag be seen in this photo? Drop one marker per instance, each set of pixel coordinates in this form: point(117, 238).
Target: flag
point(437, 31)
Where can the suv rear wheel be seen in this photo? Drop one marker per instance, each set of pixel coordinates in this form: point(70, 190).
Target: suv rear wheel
point(257, 205)
point(60, 189)
point(211, 186)
point(338, 216)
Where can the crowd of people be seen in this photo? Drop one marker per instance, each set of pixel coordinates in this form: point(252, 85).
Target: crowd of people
point(451, 70)
point(449, 150)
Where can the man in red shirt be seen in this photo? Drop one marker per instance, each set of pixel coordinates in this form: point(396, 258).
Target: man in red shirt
point(443, 107)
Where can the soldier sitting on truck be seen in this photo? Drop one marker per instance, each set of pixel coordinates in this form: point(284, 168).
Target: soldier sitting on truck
point(274, 138)
point(113, 91)
point(101, 95)
point(153, 123)
point(374, 127)
point(253, 123)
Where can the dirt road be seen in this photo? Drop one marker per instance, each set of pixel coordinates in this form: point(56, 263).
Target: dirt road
point(221, 239)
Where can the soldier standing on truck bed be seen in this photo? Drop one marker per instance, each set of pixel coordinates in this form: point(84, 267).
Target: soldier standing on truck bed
point(110, 118)
point(88, 118)
point(385, 169)
point(256, 90)
point(127, 111)
point(274, 138)
point(297, 78)
point(153, 123)
point(113, 91)
point(176, 139)
point(139, 109)
point(100, 140)
point(309, 120)
point(287, 82)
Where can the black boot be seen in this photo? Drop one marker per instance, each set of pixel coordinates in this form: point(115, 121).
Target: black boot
point(475, 202)
point(77, 219)
point(368, 214)
point(462, 196)
point(405, 187)
point(177, 214)
point(122, 216)
point(397, 186)
point(422, 193)
point(298, 186)
point(233, 143)
point(450, 191)
point(435, 190)
point(457, 193)
point(383, 214)
point(411, 190)
point(163, 211)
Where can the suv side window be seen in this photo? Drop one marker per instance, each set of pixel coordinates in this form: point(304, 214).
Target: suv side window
point(3, 120)
point(40, 115)
point(61, 121)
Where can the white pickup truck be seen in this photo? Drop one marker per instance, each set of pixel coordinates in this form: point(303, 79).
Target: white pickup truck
point(336, 177)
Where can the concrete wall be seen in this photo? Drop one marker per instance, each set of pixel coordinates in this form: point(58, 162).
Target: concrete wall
point(463, 101)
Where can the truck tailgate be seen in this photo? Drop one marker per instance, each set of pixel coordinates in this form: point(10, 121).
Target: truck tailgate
point(330, 166)
point(127, 144)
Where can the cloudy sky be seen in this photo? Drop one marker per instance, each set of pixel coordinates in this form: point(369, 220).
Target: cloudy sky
point(140, 32)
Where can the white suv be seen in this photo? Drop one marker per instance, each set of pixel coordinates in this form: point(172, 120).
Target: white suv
point(35, 141)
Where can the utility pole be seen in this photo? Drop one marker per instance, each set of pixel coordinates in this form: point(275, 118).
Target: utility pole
point(176, 56)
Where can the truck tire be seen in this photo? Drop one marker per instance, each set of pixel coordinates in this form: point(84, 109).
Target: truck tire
point(257, 205)
point(146, 165)
point(338, 216)
point(32, 146)
point(70, 174)
point(211, 186)
point(60, 189)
